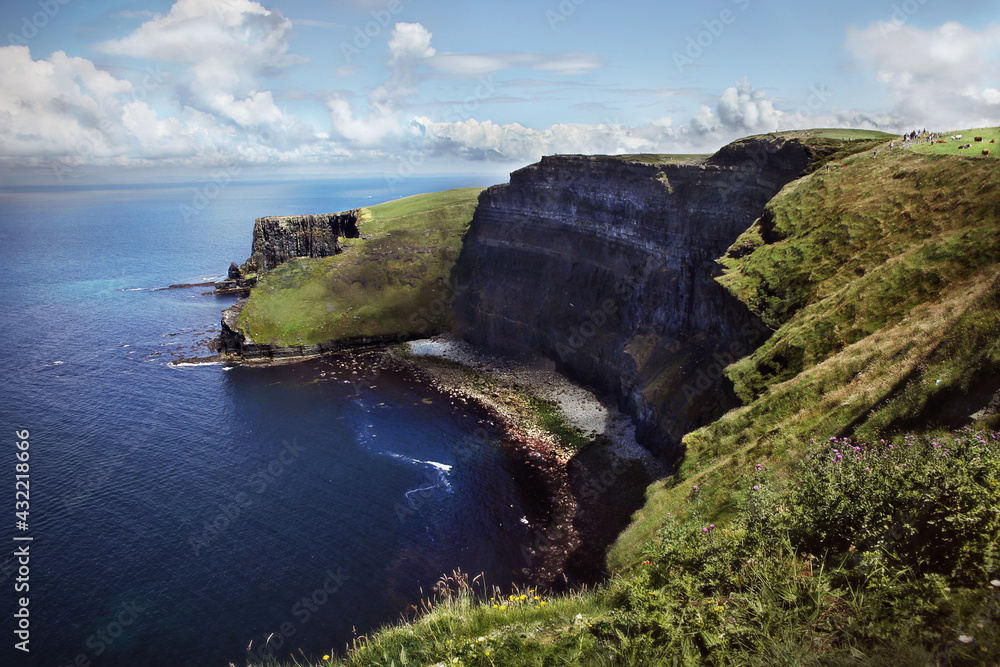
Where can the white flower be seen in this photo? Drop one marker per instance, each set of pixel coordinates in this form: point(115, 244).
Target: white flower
point(965, 639)
point(995, 582)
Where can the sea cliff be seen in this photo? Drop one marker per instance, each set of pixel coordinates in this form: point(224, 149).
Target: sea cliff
point(607, 264)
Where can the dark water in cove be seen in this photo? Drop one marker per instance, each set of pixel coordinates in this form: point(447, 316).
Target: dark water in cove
point(179, 514)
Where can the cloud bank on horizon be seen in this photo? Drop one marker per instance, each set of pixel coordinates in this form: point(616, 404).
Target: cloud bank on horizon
point(373, 85)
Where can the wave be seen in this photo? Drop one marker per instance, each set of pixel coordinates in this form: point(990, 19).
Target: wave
point(443, 467)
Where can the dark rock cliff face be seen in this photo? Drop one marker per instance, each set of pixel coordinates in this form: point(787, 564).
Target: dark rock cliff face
point(607, 266)
point(276, 239)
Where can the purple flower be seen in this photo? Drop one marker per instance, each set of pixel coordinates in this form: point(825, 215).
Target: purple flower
point(756, 488)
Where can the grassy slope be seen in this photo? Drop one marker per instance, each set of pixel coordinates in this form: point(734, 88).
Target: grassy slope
point(393, 281)
point(880, 277)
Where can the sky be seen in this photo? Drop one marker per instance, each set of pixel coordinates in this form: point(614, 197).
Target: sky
point(119, 91)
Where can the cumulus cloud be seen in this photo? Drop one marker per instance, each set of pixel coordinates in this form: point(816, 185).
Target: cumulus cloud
point(944, 77)
point(409, 45)
point(61, 112)
point(226, 46)
point(741, 109)
point(53, 106)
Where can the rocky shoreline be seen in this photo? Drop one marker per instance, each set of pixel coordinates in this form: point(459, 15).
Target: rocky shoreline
point(576, 521)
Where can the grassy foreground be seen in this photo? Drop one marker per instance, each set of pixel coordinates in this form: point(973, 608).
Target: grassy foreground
point(392, 281)
point(881, 554)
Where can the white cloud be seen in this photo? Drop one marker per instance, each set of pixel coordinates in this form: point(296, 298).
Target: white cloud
point(741, 110)
point(409, 45)
point(409, 42)
point(486, 140)
point(943, 77)
point(227, 46)
point(56, 105)
point(475, 64)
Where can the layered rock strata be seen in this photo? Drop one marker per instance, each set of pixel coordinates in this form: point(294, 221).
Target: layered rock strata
point(276, 239)
point(607, 265)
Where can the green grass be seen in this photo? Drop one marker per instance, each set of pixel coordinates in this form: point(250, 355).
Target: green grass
point(880, 278)
point(392, 282)
point(951, 146)
point(880, 554)
point(664, 158)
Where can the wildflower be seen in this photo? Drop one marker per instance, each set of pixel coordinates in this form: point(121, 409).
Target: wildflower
point(995, 583)
point(480, 639)
point(695, 487)
point(644, 563)
point(326, 657)
point(965, 639)
point(712, 525)
point(704, 530)
point(756, 488)
point(542, 603)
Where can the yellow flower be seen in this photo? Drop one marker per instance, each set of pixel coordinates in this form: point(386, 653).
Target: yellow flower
point(326, 657)
point(543, 603)
point(536, 597)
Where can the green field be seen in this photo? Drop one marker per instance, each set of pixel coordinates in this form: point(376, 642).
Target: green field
point(951, 146)
point(665, 158)
point(392, 281)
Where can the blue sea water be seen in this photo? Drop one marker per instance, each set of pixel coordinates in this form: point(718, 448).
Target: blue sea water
point(179, 516)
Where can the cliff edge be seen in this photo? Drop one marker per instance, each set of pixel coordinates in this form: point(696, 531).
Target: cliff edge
point(608, 265)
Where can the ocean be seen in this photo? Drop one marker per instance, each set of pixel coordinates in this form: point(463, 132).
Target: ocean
point(185, 515)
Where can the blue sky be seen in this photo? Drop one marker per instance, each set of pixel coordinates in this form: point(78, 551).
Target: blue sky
point(113, 90)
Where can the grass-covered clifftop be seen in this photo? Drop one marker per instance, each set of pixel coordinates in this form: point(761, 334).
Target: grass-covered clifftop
point(394, 280)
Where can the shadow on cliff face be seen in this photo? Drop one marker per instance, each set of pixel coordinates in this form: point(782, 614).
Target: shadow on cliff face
point(608, 490)
point(608, 266)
